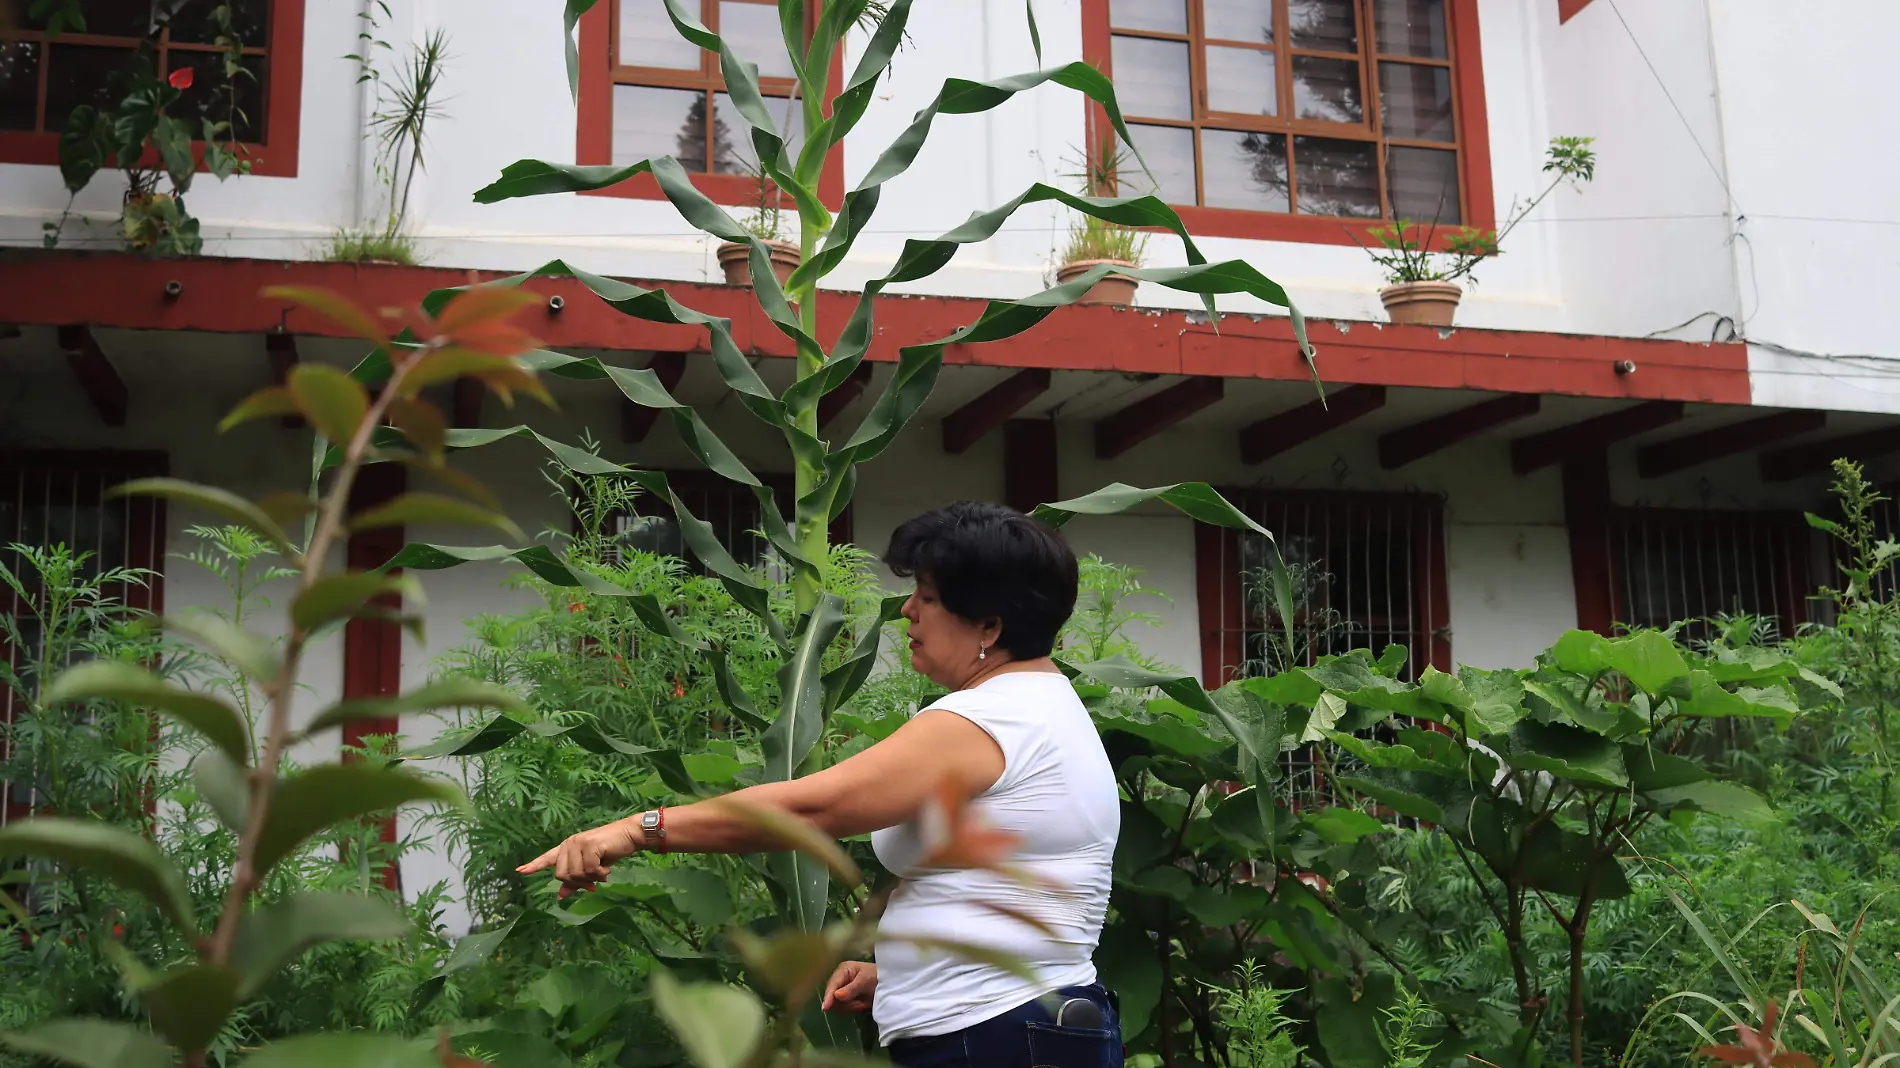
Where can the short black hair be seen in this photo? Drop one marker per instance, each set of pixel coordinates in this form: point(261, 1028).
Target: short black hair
point(992, 562)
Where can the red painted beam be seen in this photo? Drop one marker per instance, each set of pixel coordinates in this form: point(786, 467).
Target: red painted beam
point(636, 421)
point(465, 401)
point(1400, 447)
point(1029, 464)
point(1586, 489)
point(1668, 457)
point(1277, 433)
point(1798, 460)
point(280, 349)
point(96, 375)
point(1153, 414)
point(1591, 436)
point(835, 402)
point(1567, 9)
point(998, 404)
point(44, 288)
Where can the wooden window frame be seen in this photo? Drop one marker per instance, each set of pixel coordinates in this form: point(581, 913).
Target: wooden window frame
point(1471, 128)
point(1221, 598)
point(275, 156)
point(596, 42)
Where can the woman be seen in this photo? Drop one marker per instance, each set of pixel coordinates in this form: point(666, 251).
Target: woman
point(993, 587)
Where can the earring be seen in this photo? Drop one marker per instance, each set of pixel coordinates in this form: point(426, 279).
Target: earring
point(982, 652)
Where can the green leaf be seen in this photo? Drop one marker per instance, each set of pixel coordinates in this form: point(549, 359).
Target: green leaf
point(1709, 699)
point(1127, 960)
point(800, 721)
point(843, 681)
point(1487, 702)
point(1404, 802)
point(331, 794)
point(442, 693)
point(88, 1043)
point(274, 936)
point(223, 785)
point(1342, 825)
point(434, 508)
point(269, 402)
point(113, 680)
point(732, 692)
point(249, 652)
point(110, 852)
point(1728, 799)
point(1651, 770)
point(1226, 906)
point(1197, 500)
point(569, 20)
point(341, 596)
point(717, 1024)
point(471, 950)
point(1647, 658)
point(1566, 752)
point(335, 403)
point(353, 1050)
point(228, 505)
point(190, 1003)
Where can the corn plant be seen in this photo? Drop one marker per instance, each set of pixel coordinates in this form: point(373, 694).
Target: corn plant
point(813, 620)
point(236, 952)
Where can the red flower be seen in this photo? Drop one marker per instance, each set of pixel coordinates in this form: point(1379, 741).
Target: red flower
point(679, 688)
point(1759, 1049)
point(180, 79)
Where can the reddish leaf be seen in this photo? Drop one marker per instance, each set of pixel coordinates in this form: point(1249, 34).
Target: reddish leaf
point(335, 307)
point(478, 319)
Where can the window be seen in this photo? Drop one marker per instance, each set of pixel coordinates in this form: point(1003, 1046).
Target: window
point(58, 498)
point(648, 92)
point(1281, 118)
point(42, 78)
point(1671, 565)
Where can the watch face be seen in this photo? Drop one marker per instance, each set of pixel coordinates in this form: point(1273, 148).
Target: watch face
point(650, 820)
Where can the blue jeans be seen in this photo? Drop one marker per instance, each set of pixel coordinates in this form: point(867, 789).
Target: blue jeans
point(1023, 1037)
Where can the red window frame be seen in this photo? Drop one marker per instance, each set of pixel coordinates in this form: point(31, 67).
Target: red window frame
point(275, 157)
point(1759, 561)
point(1418, 520)
point(1478, 206)
point(594, 118)
point(78, 479)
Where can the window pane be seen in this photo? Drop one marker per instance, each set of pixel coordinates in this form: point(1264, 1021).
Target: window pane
point(1337, 177)
point(1169, 153)
point(1410, 27)
point(1415, 101)
point(647, 38)
point(1325, 25)
point(651, 122)
point(195, 24)
point(1327, 90)
point(19, 84)
point(1423, 184)
point(1162, 16)
point(733, 152)
point(1151, 77)
point(1238, 20)
point(81, 74)
point(111, 18)
point(752, 31)
point(1242, 80)
point(1244, 169)
point(209, 98)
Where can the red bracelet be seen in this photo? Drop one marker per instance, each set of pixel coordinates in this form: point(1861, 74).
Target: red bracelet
point(653, 830)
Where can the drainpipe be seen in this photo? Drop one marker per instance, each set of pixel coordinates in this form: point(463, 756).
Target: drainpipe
point(1731, 208)
point(365, 105)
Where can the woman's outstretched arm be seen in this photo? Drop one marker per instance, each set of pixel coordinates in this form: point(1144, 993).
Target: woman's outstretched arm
point(881, 787)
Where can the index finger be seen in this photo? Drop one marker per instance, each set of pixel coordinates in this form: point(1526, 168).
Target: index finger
point(539, 863)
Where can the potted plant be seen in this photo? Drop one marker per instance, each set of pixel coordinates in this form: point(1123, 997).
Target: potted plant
point(136, 134)
point(1422, 283)
point(766, 221)
point(1094, 242)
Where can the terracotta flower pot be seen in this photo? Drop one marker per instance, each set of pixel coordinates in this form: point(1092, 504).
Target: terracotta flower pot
point(733, 261)
point(1421, 303)
point(1111, 290)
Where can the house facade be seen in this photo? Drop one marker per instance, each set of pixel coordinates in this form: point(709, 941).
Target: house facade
point(1634, 408)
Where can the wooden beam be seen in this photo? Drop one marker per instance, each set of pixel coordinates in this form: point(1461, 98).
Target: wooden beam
point(280, 349)
point(96, 375)
point(1668, 457)
point(466, 403)
point(1277, 433)
point(1150, 415)
point(1029, 463)
point(1586, 489)
point(1400, 447)
point(832, 404)
point(637, 421)
point(1591, 436)
point(967, 425)
point(1798, 460)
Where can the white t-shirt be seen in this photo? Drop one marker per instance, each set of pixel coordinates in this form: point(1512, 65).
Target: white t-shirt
point(1057, 793)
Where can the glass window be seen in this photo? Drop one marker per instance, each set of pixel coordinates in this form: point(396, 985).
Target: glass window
point(1344, 108)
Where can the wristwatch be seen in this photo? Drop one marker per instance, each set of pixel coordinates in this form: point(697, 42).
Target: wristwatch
point(653, 829)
